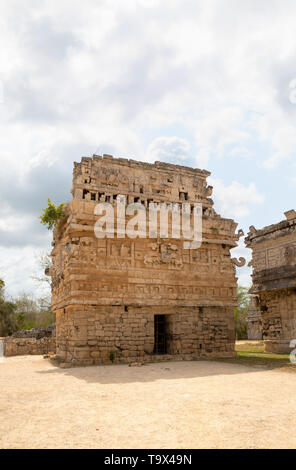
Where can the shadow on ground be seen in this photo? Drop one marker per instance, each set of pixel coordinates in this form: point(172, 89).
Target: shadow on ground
point(122, 373)
point(250, 358)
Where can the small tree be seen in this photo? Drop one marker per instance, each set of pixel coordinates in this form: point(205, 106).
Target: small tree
point(52, 215)
point(44, 262)
point(31, 313)
point(43, 303)
point(241, 312)
point(8, 322)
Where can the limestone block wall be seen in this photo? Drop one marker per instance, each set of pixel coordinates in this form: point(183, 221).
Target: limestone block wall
point(28, 346)
point(201, 331)
point(87, 335)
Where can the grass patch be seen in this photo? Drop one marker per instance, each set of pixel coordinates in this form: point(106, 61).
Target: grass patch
point(253, 354)
point(55, 360)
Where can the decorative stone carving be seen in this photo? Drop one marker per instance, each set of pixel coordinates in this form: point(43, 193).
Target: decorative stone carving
point(239, 263)
point(107, 292)
point(274, 281)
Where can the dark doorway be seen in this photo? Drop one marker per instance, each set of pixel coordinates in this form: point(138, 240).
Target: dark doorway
point(160, 343)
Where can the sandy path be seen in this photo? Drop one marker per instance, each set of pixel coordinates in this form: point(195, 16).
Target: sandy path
point(163, 405)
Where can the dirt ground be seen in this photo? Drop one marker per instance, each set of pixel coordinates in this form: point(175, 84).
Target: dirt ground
point(203, 404)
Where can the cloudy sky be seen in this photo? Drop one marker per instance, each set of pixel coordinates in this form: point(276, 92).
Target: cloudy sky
point(209, 84)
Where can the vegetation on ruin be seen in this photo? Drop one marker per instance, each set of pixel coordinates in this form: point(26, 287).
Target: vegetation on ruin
point(112, 356)
point(241, 313)
point(52, 216)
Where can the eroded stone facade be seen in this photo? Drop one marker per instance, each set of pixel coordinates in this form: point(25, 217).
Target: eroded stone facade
point(274, 280)
point(109, 293)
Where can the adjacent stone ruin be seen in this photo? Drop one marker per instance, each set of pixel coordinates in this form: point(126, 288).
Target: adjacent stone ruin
point(274, 281)
point(122, 299)
point(31, 342)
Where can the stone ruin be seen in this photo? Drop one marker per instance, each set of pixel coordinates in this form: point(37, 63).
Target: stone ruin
point(142, 299)
point(254, 321)
point(38, 333)
point(35, 341)
point(274, 281)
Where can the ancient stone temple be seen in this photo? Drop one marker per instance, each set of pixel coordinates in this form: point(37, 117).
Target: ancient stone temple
point(274, 280)
point(125, 299)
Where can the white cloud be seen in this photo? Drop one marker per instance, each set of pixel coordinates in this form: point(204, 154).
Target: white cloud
point(169, 149)
point(244, 279)
point(234, 200)
point(240, 152)
point(17, 266)
point(186, 82)
point(138, 64)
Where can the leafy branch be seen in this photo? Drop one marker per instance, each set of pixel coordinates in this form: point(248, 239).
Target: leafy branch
point(52, 215)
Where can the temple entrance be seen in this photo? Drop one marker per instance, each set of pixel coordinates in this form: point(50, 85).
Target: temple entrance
point(160, 334)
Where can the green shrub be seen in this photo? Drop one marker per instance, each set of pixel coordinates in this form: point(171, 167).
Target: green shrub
point(52, 216)
point(112, 356)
